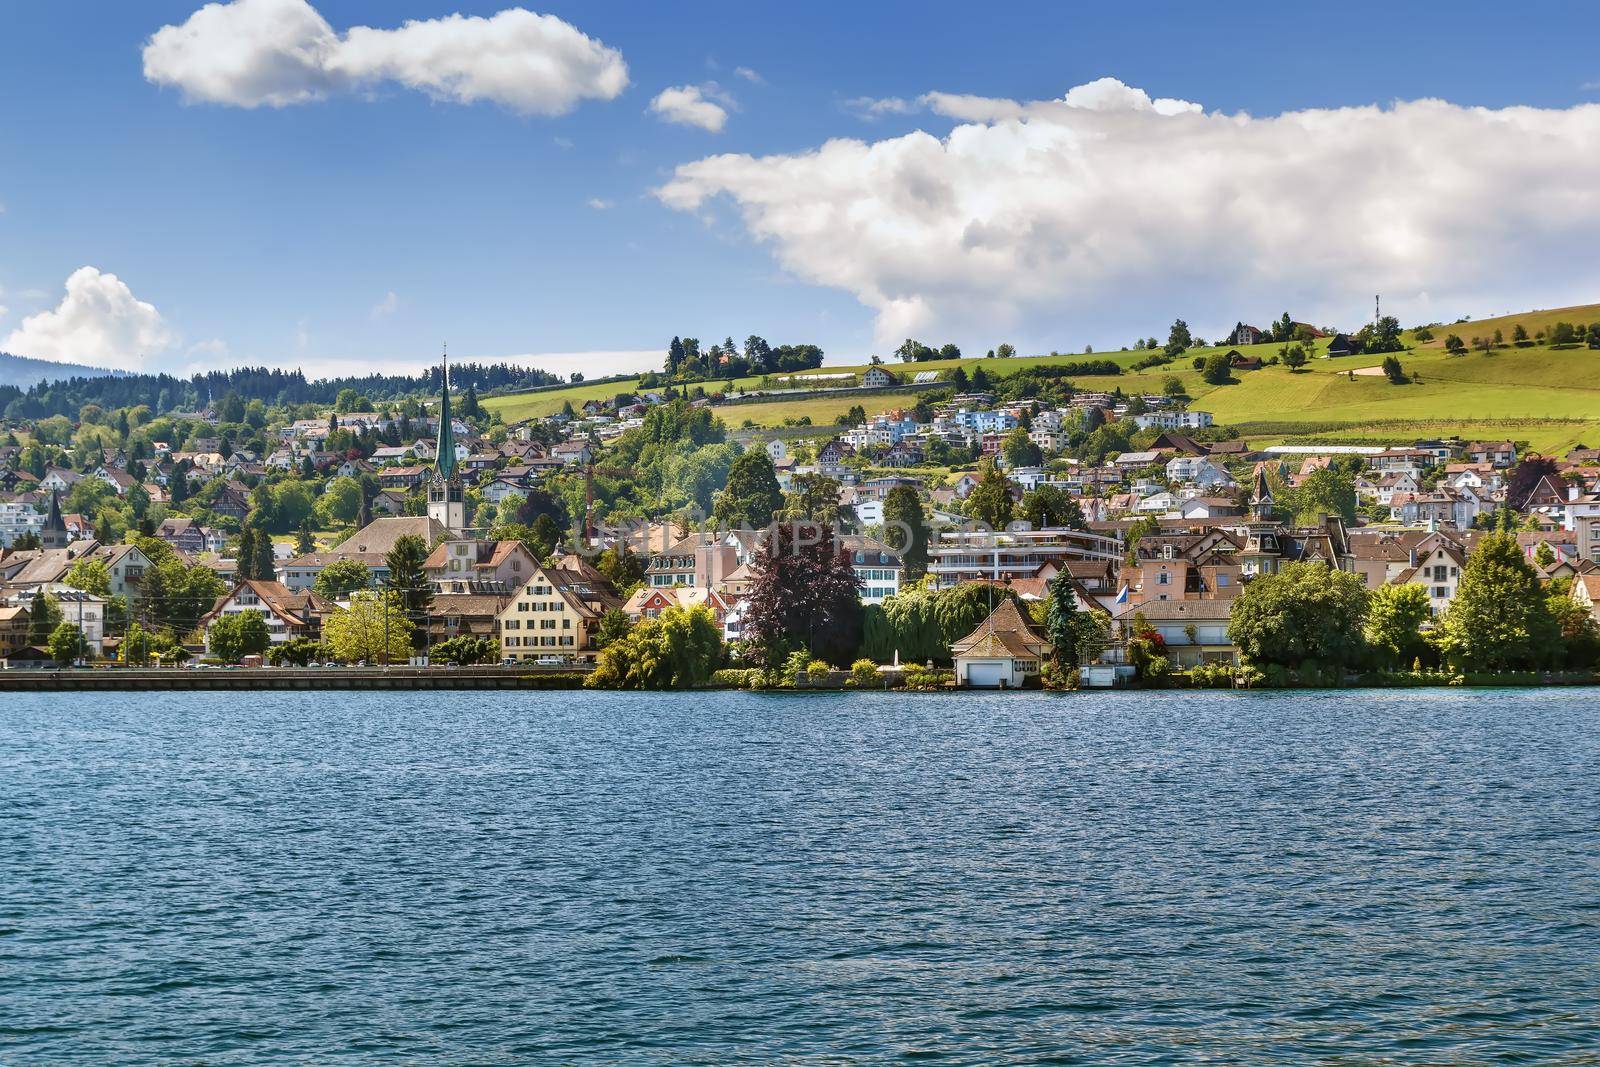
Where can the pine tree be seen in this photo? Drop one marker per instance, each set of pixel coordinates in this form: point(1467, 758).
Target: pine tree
point(407, 579)
point(905, 529)
point(246, 566)
point(1078, 635)
point(265, 568)
point(303, 541)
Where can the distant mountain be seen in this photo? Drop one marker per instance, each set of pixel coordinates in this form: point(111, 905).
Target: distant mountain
point(23, 372)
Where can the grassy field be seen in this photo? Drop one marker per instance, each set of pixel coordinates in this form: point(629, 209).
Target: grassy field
point(1547, 397)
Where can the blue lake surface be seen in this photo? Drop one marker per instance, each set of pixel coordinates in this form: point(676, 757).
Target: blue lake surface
point(1404, 876)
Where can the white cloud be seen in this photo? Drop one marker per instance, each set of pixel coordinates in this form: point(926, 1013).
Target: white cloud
point(1107, 213)
point(214, 347)
point(4, 311)
point(872, 107)
point(98, 321)
point(749, 75)
point(600, 204)
point(250, 53)
point(1103, 94)
point(692, 105)
point(385, 307)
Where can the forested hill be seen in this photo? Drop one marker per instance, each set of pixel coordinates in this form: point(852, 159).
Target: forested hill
point(166, 392)
point(22, 372)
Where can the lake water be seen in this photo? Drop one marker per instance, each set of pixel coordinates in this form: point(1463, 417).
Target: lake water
point(504, 878)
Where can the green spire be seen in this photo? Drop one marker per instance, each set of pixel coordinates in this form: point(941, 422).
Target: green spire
point(445, 462)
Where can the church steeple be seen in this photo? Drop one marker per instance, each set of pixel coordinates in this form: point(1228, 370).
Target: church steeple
point(54, 534)
point(1261, 499)
point(445, 463)
point(447, 497)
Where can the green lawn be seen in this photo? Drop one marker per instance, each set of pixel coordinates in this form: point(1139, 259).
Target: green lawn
point(1548, 397)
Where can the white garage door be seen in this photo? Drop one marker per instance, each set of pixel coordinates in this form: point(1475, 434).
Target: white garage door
point(989, 674)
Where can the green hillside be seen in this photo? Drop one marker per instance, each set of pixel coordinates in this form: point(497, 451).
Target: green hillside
point(1545, 396)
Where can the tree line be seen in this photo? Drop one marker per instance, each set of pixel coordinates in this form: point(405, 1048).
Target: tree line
point(165, 392)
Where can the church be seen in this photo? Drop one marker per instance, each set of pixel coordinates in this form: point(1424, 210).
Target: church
point(447, 495)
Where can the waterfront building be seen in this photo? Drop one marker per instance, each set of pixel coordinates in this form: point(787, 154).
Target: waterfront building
point(1195, 631)
point(877, 566)
point(556, 613)
point(1004, 652)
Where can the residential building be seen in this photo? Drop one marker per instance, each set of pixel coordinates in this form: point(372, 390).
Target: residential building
point(964, 555)
point(465, 565)
point(1174, 420)
point(877, 566)
point(1194, 631)
point(288, 614)
point(556, 613)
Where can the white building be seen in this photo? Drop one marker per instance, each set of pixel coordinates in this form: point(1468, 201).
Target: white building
point(18, 518)
point(1173, 420)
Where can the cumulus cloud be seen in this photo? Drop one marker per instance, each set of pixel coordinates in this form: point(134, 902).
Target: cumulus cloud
point(1107, 210)
point(250, 53)
point(98, 321)
point(600, 203)
point(693, 105)
point(749, 75)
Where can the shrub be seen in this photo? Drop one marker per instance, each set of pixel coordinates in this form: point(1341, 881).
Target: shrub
point(920, 678)
point(864, 674)
point(1211, 676)
point(798, 664)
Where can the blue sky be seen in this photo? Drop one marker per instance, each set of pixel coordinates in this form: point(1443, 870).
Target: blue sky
point(277, 234)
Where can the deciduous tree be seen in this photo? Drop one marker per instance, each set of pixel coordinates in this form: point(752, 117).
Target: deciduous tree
point(341, 577)
point(1305, 615)
point(1499, 619)
point(805, 595)
point(238, 634)
point(990, 500)
point(1395, 617)
point(678, 649)
point(373, 629)
point(751, 496)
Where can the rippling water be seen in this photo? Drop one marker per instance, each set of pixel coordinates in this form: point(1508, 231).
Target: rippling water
point(504, 878)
